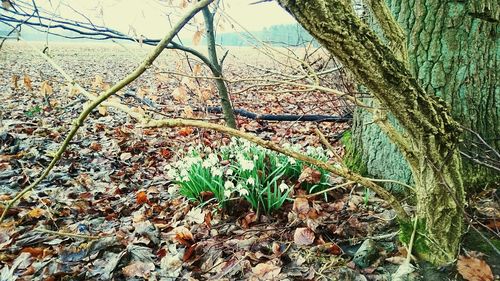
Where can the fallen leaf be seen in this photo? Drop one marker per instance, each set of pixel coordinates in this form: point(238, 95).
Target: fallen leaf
point(204, 95)
point(36, 213)
point(474, 269)
point(45, 88)
point(183, 236)
point(125, 156)
point(301, 206)
point(27, 83)
point(98, 82)
point(15, 80)
point(197, 69)
point(188, 112)
point(95, 146)
point(195, 215)
point(266, 271)
point(310, 175)
point(102, 110)
point(180, 94)
point(186, 131)
point(248, 220)
point(34, 252)
point(138, 269)
point(303, 236)
point(141, 197)
point(188, 253)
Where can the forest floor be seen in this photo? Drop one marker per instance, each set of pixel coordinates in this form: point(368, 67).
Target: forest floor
point(109, 211)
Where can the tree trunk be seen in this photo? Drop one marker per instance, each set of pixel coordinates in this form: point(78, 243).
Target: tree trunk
point(225, 101)
point(430, 139)
point(453, 52)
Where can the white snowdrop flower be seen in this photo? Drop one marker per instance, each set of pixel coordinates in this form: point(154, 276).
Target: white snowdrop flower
point(172, 173)
point(184, 173)
point(229, 172)
point(243, 192)
point(283, 187)
point(213, 158)
point(247, 165)
point(292, 161)
point(251, 181)
point(216, 172)
point(228, 185)
point(255, 157)
point(227, 193)
point(190, 161)
point(240, 158)
point(206, 164)
point(167, 167)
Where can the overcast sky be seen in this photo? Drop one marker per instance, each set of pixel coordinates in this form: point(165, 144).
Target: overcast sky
point(147, 17)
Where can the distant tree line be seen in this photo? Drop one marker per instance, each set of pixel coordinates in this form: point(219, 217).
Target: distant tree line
point(281, 35)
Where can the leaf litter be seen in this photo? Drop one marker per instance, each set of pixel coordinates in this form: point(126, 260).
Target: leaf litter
point(108, 211)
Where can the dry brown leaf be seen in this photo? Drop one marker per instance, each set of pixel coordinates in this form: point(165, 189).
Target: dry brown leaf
point(204, 94)
point(27, 83)
point(180, 94)
point(183, 236)
point(266, 271)
point(248, 220)
point(188, 112)
point(474, 269)
point(197, 37)
point(102, 110)
point(310, 175)
point(197, 69)
point(303, 236)
point(186, 131)
point(45, 88)
point(36, 213)
point(138, 269)
point(141, 197)
point(15, 80)
point(98, 82)
point(34, 252)
point(301, 206)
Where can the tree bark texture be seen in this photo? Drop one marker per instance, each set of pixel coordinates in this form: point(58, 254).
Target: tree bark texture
point(453, 52)
point(225, 100)
point(431, 136)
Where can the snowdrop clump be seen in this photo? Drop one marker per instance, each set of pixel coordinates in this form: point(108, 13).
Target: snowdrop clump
point(243, 170)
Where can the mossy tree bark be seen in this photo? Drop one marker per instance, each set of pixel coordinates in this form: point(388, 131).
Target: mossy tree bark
point(430, 140)
point(453, 52)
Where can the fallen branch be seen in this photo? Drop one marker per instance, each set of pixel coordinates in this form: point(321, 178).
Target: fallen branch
point(285, 117)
